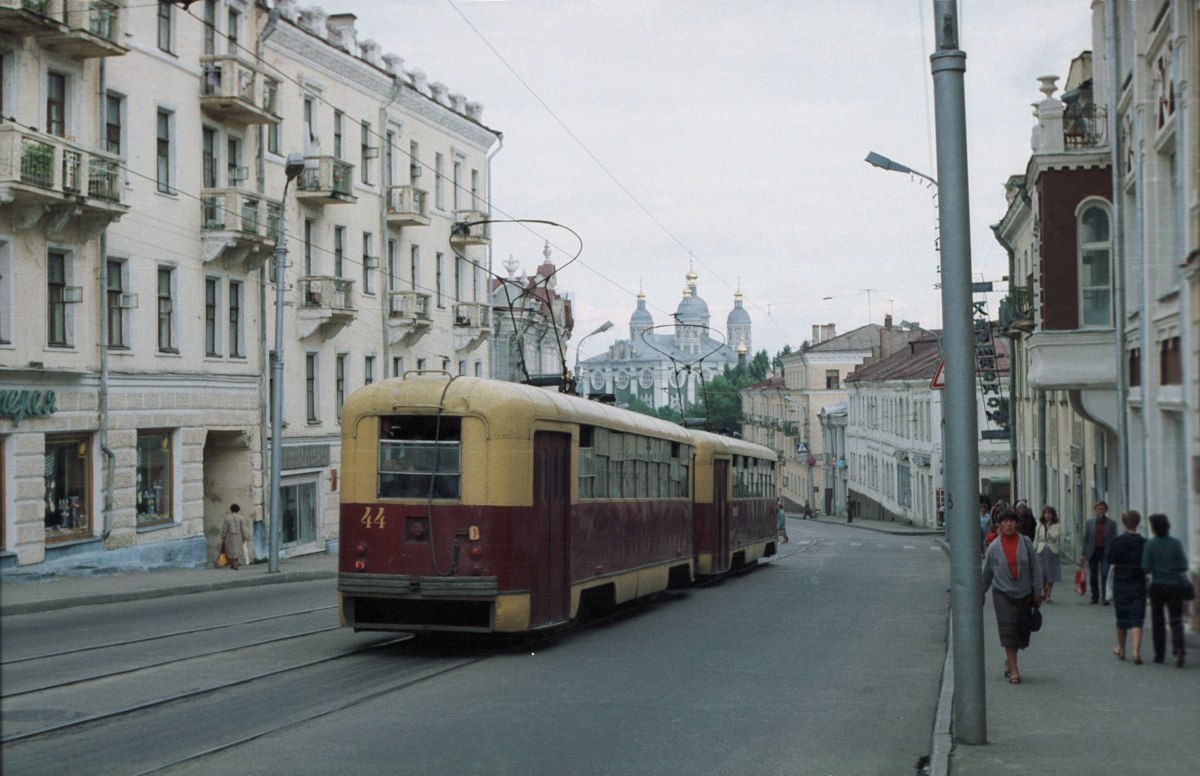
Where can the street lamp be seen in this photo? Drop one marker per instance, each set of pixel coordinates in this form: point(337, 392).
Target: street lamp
point(599, 330)
point(293, 169)
point(884, 163)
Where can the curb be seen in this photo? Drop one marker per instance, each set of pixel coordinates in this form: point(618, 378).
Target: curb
point(53, 604)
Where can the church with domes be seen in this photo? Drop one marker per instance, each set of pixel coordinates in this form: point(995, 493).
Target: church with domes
point(659, 363)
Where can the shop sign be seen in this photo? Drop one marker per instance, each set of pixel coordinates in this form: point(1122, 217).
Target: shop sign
point(16, 404)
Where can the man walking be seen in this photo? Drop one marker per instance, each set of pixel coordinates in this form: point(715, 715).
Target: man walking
point(1097, 538)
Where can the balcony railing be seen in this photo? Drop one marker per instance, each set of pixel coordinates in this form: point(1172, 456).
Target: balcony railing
point(1083, 125)
point(46, 167)
point(237, 91)
point(238, 211)
point(83, 28)
point(470, 228)
point(327, 292)
point(326, 180)
point(1016, 313)
point(473, 314)
point(409, 305)
point(407, 206)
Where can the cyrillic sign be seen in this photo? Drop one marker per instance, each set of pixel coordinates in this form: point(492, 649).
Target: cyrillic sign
point(17, 403)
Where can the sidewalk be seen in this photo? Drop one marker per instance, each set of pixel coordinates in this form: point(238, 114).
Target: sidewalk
point(880, 526)
point(64, 592)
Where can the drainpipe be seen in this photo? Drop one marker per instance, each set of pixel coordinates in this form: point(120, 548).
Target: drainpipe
point(385, 182)
point(488, 171)
point(110, 458)
point(1118, 240)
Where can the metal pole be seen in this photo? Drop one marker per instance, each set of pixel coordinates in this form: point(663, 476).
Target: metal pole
point(948, 63)
point(280, 259)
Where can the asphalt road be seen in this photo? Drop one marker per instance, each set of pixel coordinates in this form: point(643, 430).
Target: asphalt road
point(826, 660)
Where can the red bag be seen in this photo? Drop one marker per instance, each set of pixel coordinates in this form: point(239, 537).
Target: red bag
point(1081, 582)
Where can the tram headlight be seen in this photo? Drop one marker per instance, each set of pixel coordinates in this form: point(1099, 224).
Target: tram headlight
point(476, 552)
point(361, 548)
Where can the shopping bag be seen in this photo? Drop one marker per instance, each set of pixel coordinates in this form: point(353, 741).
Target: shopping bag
point(222, 558)
point(1081, 581)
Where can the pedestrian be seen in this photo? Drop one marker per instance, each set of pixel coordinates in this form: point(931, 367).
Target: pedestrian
point(1129, 585)
point(808, 513)
point(1164, 560)
point(1026, 522)
point(781, 523)
point(1015, 576)
point(1047, 543)
point(985, 522)
point(1097, 535)
point(234, 533)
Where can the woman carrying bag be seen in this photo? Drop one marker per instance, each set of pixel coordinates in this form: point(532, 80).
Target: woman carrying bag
point(1015, 576)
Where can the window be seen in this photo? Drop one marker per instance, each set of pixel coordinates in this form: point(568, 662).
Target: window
point(457, 182)
point(458, 279)
point(1170, 366)
point(833, 379)
point(389, 159)
point(164, 151)
point(232, 31)
point(339, 384)
point(419, 456)
point(415, 266)
point(368, 370)
point(235, 174)
point(114, 284)
point(310, 387)
point(6, 292)
point(57, 328)
point(273, 139)
point(397, 366)
point(368, 260)
point(441, 281)
point(365, 152)
point(474, 189)
point(68, 487)
point(299, 523)
point(208, 159)
point(235, 319)
point(339, 249)
point(310, 123)
point(210, 27)
point(153, 478)
point(113, 104)
point(462, 367)
point(166, 20)
point(1095, 282)
point(439, 181)
point(414, 167)
point(308, 246)
point(337, 134)
point(56, 104)
point(212, 288)
point(166, 310)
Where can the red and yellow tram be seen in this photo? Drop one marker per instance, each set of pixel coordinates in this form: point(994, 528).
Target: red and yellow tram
point(487, 506)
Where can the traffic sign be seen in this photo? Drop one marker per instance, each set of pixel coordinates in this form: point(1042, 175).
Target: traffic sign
point(939, 377)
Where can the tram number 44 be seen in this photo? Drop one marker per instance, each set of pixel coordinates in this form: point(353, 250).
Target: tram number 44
point(372, 520)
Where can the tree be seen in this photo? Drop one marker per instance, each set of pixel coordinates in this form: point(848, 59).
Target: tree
point(777, 362)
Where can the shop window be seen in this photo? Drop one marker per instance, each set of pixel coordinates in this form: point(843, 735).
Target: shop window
point(68, 499)
point(299, 523)
point(153, 478)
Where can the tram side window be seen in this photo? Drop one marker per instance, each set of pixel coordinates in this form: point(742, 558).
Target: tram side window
point(587, 459)
point(420, 456)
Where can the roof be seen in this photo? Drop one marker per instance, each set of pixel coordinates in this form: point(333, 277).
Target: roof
point(919, 361)
point(863, 338)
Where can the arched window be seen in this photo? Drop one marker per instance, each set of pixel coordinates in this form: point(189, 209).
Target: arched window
point(1095, 267)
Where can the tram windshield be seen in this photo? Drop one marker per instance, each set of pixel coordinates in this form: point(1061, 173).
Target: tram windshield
point(420, 456)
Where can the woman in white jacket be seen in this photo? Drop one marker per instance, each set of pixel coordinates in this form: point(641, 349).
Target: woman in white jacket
point(1047, 543)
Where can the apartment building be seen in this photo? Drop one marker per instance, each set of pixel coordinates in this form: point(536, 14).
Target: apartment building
point(150, 193)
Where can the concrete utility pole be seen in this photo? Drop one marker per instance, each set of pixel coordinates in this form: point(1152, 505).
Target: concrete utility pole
point(948, 63)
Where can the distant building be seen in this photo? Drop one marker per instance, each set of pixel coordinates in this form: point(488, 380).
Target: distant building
point(532, 322)
point(659, 364)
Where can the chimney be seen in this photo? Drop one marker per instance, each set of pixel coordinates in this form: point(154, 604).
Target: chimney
point(371, 52)
point(457, 101)
point(887, 321)
point(418, 80)
point(394, 64)
point(437, 90)
point(474, 111)
point(287, 9)
point(313, 20)
point(341, 31)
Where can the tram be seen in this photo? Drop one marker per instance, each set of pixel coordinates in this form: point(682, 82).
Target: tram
point(477, 505)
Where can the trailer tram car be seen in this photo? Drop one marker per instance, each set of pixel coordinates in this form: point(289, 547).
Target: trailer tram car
point(485, 506)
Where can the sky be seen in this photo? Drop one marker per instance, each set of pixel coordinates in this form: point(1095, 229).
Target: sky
point(729, 138)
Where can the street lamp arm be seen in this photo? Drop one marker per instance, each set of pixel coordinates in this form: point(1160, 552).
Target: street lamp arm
point(884, 163)
point(598, 330)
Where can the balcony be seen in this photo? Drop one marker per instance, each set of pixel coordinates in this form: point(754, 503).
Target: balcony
point(470, 228)
point(56, 186)
point(1082, 361)
point(326, 305)
point(92, 29)
point(407, 206)
point(472, 325)
point(1016, 314)
point(31, 17)
point(1083, 125)
point(326, 181)
point(238, 227)
point(235, 91)
point(408, 317)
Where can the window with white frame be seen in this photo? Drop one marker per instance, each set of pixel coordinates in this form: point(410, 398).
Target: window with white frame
point(365, 152)
point(210, 27)
point(439, 181)
point(212, 316)
point(166, 27)
point(6, 293)
point(166, 310)
point(368, 370)
point(1095, 266)
point(236, 292)
point(337, 134)
point(163, 151)
point(414, 165)
point(311, 384)
point(114, 123)
point(56, 103)
point(414, 267)
point(59, 296)
point(339, 385)
point(474, 189)
point(339, 250)
point(457, 182)
point(441, 280)
point(369, 262)
point(115, 283)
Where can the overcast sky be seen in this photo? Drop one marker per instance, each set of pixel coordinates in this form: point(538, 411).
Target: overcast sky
point(731, 136)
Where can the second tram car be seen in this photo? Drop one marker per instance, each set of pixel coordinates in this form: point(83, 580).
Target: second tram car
point(486, 506)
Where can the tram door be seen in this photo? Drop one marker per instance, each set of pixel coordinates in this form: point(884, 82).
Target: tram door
point(721, 505)
point(550, 584)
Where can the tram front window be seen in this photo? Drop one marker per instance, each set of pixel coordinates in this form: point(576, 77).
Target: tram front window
point(419, 457)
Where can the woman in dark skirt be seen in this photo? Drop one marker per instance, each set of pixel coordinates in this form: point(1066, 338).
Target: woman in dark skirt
point(1129, 585)
point(1012, 570)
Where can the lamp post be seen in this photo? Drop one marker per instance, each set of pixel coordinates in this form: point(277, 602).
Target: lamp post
point(884, 163)
point(599, 330)
point(293, 168)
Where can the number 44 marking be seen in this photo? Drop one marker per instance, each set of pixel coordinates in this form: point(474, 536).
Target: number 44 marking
point(372, 521)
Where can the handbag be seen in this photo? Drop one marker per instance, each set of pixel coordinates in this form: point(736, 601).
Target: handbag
point(1108, 584)
point(1035, 619)
point(222, 558)
point(1081, 581)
